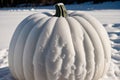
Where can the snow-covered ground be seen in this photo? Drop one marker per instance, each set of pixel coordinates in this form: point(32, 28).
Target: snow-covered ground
point(107, 13)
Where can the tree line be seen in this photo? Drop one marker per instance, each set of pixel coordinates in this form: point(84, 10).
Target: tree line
point(14, 3)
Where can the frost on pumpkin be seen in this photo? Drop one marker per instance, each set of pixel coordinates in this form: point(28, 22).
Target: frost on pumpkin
point(60, 55)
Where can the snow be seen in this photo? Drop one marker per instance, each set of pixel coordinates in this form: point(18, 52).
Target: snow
point(107, 13)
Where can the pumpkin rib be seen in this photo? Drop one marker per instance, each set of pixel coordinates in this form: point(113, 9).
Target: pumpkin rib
point(90, 57)
point(59, 52)
point(105, 39)
point(29, 48)
point(48, 60)
point(53, 60)
point(70, 56)
point(93, 22)
point(88, 47)
point(53, 66)
point(97, 45)
point(12, 46)
point(94, 78)
point(39, 56)
point(18, 53)
point(67, 50)
point(13, 42)
point(77, 39)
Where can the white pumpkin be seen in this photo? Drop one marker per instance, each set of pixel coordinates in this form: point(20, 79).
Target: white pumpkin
point(66, 46)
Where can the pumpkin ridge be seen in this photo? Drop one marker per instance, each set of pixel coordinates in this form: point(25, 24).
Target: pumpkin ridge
point(96, 66)
point(64, 55)
point(90, 71)
point(11, 50)
point(12, 44)
point(18, 53)
point(81, 74)
point(56, 63)
point(29, 48)
point(46, 48)
point(105, 64)
point(47, 56)
point(71, 62)
point(72, 66)
point(41, 49)
point(89, 55)
point(97, 73)
point(103, 40)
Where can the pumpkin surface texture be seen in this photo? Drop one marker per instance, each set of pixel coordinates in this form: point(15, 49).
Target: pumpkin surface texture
point(64, 46)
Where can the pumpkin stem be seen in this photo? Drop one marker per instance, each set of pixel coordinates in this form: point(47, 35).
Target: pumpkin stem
point(60, 10)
